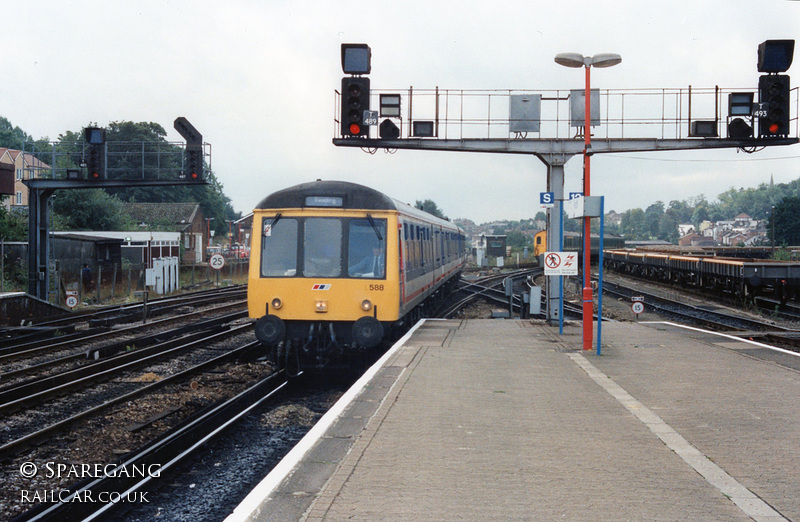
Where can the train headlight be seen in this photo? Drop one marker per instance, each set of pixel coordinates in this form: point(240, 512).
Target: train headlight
point(321, 307)
point(366, 305)
point(276, 304)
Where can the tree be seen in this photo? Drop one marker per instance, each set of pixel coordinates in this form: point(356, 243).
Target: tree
point(632, 224)
point(699, 215)
point(12, 137)
point(91, 209)
point(517, 239)
point(13, 225)
point(786, 221)
point(652, 217)
point(430, 207)
point(668, 228)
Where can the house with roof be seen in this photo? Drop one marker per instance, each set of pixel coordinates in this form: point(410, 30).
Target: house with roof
point(184, 218)
point(26, 166)
point(694, 239)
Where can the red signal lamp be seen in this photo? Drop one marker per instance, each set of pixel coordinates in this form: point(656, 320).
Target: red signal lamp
point(355, 128)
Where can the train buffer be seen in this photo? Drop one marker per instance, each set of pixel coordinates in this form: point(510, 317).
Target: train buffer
point(504, 419)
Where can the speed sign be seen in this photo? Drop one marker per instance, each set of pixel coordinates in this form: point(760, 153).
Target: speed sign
point(72, 301)
point(217, 261)
point(637, 307)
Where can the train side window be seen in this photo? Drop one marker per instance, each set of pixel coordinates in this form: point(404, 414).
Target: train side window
point(279, 247)
point(421, 237)
point(322, 247)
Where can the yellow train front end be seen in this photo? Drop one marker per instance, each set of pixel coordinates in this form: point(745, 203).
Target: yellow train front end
point(324, 278)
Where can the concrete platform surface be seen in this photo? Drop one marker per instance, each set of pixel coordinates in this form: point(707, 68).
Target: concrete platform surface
point(506, 420)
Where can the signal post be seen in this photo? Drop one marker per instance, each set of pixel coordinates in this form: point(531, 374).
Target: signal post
point(750, 126)
point(95, 159)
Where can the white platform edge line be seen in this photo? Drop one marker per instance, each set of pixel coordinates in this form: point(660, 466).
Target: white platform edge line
point(251, 503)
point(747, 501)
point(732, 337)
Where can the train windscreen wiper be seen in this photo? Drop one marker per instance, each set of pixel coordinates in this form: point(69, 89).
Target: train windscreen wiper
point(275, 220)
point(375, 227)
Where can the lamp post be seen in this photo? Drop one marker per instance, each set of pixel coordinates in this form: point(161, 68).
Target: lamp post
point(578, 60)
point(773, 229)
point(208, 231)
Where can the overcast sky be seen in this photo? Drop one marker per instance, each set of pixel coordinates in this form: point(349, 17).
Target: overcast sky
point(257, 79)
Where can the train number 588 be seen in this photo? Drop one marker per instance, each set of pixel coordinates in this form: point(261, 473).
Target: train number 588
point(378, 288)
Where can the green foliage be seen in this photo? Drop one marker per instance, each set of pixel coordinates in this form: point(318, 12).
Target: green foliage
point(430, 207)
point(659, 223)
point(13, 225)
point(782, 254)
point(786, 221)
point(518, 239)
point(12, 137)
point(91, 209)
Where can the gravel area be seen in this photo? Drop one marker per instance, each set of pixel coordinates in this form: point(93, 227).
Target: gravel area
point(122, 429)
point(229, 470)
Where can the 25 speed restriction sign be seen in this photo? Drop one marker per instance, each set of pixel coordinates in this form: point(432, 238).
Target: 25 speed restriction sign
point(637, 307)
point(217, 261)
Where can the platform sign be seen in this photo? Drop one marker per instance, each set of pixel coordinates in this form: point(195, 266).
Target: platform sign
point(547, 199)
point(72, 299)
point(216, 262)
point(560, 263)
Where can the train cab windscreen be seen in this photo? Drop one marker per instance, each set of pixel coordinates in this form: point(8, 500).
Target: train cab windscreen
point(367, 248)
point(322, 247)
point(323, 242)
point(279, 247)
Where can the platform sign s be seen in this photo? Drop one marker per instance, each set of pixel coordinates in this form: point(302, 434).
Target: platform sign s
point(547, 199)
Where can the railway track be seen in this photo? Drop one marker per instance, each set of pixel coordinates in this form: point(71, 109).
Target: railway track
point(104, 317)
point(160, 459)
point(487, 288)
point(711, 316)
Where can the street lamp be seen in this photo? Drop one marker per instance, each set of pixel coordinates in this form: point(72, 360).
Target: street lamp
point(772, 216)
point(578, 60)
point(208, 229)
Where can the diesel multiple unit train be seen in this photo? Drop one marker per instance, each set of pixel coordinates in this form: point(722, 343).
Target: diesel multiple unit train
point(573, 242)
point(745, 278)
point(336, 266)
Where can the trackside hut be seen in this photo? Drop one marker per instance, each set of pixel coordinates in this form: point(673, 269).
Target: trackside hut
point(185, 218)
point(140, 248)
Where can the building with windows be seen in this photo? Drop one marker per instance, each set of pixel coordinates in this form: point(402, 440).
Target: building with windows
point(26, 166)
point(185, 218)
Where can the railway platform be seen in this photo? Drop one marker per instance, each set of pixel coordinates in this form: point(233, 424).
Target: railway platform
point(507, 420)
